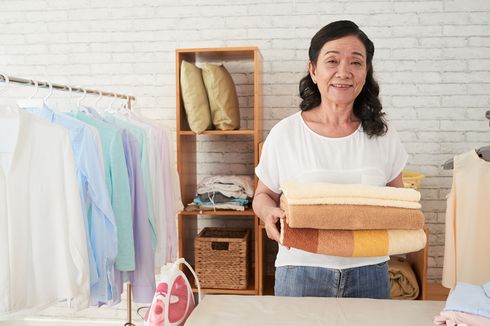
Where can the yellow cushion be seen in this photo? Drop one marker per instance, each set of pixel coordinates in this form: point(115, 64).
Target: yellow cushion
point(194, 97)
point(223, 100)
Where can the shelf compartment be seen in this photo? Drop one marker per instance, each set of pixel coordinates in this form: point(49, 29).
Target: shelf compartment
point(247, 212)
point(218, 132)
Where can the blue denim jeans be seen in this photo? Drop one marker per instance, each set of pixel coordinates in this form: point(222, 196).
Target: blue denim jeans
point(359, 282)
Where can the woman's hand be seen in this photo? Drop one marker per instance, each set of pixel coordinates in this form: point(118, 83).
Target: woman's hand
point(265, 206)
point(270, 220)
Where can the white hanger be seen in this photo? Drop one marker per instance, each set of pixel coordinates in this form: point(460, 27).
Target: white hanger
point(79, 103)
point(124, 111)
point(31, 102)
point(7, 82)
point(45, 99)
point(111, 109)
point(36, 85)
point(97, 101)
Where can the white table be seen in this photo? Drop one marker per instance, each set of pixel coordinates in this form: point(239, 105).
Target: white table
point(236, 310)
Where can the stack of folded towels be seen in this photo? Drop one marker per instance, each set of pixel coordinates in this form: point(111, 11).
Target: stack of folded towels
point(351, 220)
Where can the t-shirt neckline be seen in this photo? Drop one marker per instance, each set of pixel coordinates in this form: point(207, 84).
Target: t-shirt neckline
point(303, 122)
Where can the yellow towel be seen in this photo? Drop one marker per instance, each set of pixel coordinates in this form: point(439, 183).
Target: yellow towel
point(351, 217)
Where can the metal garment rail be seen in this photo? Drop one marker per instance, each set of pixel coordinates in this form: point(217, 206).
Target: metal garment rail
point(45, 84)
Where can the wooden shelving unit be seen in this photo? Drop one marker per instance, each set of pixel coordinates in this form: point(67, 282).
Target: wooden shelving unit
point(187, 158)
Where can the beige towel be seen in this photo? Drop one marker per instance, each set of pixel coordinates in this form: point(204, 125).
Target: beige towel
point(403, 282)
point(298, 193)
point(353, 243)
point(351, 217)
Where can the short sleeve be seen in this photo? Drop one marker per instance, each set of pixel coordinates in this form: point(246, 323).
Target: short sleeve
point(397, 154)
point(268, 170)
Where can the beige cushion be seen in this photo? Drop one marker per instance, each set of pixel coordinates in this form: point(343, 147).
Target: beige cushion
point(223, 100)
point(194, 97)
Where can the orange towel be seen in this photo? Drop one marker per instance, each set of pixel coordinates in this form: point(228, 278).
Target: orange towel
point(351, 217)
point(353, 243)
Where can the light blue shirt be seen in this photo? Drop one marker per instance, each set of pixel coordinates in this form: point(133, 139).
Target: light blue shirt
point(471, 299)
point(96, 206)
point(116, 175)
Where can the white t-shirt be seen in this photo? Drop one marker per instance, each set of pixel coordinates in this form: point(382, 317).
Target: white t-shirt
point(294, 152)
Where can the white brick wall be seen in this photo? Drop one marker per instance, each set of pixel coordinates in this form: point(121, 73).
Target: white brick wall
point(432, 61)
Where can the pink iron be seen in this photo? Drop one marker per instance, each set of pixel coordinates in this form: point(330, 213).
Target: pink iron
point(172, 307)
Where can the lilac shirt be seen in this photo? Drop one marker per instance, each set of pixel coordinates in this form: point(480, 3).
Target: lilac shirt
point(143, 278)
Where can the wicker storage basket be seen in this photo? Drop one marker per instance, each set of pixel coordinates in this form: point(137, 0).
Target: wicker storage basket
point(221, 256)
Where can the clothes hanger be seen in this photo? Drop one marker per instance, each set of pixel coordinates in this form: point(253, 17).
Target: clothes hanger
point(45, 99)
point(7, 82)
point(482, 152)
point(98, 100)
point(36, 89)
point(124, 110)
point(79, 103)
point(70, 93)
point(111, 109)
point(31, 102)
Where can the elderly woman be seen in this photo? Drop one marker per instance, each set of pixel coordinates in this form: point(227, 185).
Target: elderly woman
point(339, 136)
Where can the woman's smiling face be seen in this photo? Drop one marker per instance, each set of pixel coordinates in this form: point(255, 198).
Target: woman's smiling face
point(340, 70)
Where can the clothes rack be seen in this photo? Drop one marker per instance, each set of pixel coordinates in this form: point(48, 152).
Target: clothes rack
point(45, 84)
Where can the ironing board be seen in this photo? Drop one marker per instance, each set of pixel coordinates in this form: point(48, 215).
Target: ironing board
point(244, 310)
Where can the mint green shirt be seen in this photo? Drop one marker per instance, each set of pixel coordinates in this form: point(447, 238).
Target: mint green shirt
point(141, 136)
point(117, 179)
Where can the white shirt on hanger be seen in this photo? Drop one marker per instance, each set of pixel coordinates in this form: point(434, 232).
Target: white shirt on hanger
point(43, 249)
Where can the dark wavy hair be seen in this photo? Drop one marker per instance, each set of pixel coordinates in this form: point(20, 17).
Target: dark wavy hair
point(367, 106)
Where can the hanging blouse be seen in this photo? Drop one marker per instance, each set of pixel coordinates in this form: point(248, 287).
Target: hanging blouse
point(96, 206)
point(139, 133)
point(118, 187)
point(143, 277)
point(43, 249)
point(166, 188)
point(467, 245)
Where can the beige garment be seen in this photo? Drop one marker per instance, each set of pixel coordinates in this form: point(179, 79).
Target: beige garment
point(403, 283)
point(351, 217)
point(314, 190)
point(467, 246)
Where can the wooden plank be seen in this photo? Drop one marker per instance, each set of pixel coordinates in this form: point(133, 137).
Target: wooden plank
point(418, 261)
